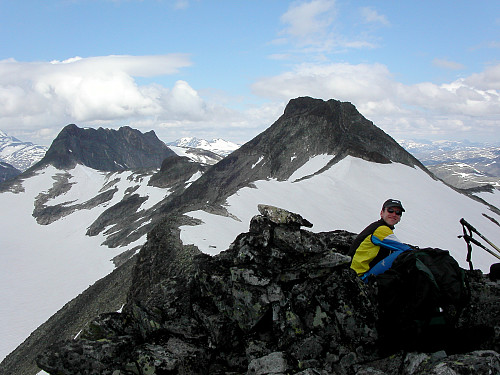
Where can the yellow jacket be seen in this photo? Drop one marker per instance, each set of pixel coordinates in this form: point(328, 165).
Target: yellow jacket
point(373, 244)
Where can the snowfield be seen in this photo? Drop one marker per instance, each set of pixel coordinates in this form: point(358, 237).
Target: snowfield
point(42, 267)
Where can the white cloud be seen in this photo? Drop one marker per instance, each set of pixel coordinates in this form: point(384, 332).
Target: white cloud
point(137, 66)
point(308, 19)
point(370, 15)
point(183, 102)
point(37, 99)
point(487, 80)
point(342, 81)
point(38, 94)
point(312, 27)
point(447, 64)
point(455, 108)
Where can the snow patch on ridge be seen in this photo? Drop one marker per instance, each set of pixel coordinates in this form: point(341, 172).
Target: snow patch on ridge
point(258, 162)
point(312, 166)
point(193, 178)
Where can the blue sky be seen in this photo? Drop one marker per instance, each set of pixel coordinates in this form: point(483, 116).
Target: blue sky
point(417, 69)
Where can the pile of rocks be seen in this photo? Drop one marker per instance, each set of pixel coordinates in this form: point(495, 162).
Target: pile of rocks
point(280, 300)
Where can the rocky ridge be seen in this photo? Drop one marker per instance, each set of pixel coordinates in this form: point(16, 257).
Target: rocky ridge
point(106, 149)
point(280, 300)
point(7, 171)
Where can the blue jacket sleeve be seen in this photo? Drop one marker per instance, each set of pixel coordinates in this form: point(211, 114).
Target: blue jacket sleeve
point(396, 247)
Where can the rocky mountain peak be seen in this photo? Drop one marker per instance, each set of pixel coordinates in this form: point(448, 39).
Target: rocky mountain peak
point(106, 149)
point(308, 128)
point(337, 128)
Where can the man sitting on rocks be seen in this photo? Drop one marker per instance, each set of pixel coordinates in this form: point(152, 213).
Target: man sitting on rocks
point(376, 247)
point(420, 293)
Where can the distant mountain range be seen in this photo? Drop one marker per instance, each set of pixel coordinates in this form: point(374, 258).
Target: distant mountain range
point(461, 164)
point(16, 156)
point(217, 146)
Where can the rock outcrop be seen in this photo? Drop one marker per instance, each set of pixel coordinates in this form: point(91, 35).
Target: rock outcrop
point(280, 300)
point(7, 171)
point(175, 171)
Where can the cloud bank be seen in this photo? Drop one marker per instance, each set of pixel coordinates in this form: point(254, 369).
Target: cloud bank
point(38, 98)
point(467, 105)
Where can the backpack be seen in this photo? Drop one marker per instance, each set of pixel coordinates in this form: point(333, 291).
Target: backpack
point(420, 299)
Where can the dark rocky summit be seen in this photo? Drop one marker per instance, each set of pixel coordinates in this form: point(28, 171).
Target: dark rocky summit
point(307, 128)
point(280, 300)
point(106, 149)
point(175, 171)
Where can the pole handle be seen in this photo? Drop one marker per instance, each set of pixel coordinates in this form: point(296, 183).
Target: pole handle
point(472, 229)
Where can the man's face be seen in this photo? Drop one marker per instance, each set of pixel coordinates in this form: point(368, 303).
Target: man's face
point(391, 218)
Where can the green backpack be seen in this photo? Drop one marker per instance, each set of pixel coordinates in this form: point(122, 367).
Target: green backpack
point(420, 299)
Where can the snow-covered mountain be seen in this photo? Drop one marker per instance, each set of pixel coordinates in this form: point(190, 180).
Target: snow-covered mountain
point(461, 164)
point(45, 266)
point(198, 155)
point(217, 146)
point(320, 159)
point(19, 154)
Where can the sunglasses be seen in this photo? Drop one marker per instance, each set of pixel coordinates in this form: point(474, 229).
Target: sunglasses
point(392, 210)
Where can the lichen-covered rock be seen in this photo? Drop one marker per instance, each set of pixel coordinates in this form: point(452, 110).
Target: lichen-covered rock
point(482, 313)
point(280, 216)
point(439, 363)
point(273, 363)
point(280, 300)
point(88, 357)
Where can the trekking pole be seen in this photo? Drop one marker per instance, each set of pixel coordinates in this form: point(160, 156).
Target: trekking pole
point(469, 246)
point(468, 238)
point(471, 228)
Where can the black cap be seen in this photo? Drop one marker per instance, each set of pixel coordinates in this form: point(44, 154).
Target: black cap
point(393, 203)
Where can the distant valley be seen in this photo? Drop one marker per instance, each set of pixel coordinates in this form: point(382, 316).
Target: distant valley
point(461, 164)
